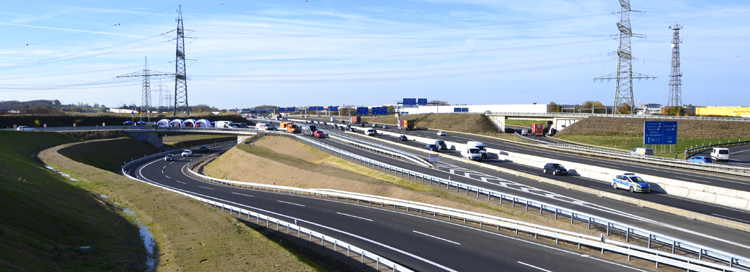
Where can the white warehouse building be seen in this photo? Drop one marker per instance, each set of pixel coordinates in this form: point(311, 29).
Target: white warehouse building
point(517, 108)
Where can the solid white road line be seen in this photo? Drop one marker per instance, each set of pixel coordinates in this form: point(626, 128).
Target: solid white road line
point(241, 194)
point(354, 216)
point(167, 177)
point(290, 203)
point(425, 234)
point(181, 182)
point(542, 269)
point(205, 187)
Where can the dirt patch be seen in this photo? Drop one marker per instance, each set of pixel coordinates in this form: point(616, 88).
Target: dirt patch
point(180, 225)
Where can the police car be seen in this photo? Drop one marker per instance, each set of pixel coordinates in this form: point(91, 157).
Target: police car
point(630, 181)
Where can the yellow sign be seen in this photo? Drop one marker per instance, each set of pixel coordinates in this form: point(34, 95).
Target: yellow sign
point(722, 111)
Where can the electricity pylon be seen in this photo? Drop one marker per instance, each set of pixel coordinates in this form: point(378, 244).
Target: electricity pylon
point(180, 79)
point(146, 74)
point(675, 78)
point(625, 74)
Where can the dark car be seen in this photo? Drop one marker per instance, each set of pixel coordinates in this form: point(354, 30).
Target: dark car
point(362, 124)
point(203, 148)
point(342, 128)
point(432, 147)
point(555, 169)
point(352, 129)
point(402, 138)
point(441, 144)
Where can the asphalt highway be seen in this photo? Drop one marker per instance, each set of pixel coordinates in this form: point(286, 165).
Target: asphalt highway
point(738, 156)
point(418, 242)
point(715, 179)
point(708, 234)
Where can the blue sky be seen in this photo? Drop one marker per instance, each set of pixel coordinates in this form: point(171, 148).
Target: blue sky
point(294, 53)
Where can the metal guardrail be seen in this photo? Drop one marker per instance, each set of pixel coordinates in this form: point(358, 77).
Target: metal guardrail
point(288, 225)
point(639, 158)
point(694, 150)
point(383, 149)
point(628, 230)
point(659, 257)
point(702, 251)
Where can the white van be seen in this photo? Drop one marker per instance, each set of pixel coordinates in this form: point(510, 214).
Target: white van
point(225, 124)
point(370, 132)
point(642, 151)
point(720, 154)
point(471, 153)
point(479, 146)
point(261, 126)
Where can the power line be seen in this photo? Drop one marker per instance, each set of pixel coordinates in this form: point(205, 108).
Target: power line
point(180, 79)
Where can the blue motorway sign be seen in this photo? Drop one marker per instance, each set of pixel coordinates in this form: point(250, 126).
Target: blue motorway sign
point(333, 108)
point(282, 109)
point(312, 108)
point(460, 109)
point(422, 101)
point(363, 110)
point(410, 102)
point(379, 110)
point(660, 132)
point(291, 109)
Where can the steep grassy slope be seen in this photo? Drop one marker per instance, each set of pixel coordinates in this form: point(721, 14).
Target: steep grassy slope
point(44, 218)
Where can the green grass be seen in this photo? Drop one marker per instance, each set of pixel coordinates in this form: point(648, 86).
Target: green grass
point(118, 152)
point(627, 143)
point(44, 218)
point(523, 123)
point(183, 141)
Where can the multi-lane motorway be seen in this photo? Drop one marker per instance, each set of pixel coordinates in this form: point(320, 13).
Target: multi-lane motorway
point(420, 243)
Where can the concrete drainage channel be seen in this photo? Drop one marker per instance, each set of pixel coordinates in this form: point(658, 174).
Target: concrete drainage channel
point(655, 254)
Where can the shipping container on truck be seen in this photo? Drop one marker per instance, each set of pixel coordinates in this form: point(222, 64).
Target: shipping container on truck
point(356, 119)
point(406, 124)
point(537, 129)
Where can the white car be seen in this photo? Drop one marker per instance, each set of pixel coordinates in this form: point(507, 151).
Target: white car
point(169, 157)
point(187, 153)
point(25, 128)
point(720, 154)
point(441, 133)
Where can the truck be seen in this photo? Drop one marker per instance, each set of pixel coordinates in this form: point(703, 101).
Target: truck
point(289, 127)
point(478, 145)
point(356, 119)
point(308, 130)
point(406, 124)
point(537, 129)
point(225, 124)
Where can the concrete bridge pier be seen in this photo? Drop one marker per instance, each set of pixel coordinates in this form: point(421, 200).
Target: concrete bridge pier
point(152, 138)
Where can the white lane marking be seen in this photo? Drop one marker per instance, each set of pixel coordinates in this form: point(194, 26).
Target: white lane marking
point(162, 171)
point(484, 179)
point(167, 177)
point(467, 175)
point(425, 234)
point(164, 167)
point(542, 269)
point(181, 182)
point(290, 203)
point(354, 216)
point(453, 171)
point(732, 218)
point(241, 194)
point(205, 187)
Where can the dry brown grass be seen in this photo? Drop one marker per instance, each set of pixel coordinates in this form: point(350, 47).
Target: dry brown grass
point(190, 236)
point(279, 159)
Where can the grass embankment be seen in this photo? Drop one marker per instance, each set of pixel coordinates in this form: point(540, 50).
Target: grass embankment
point(190, 236)
point(627, 133)
point(195, 140)
point(44, 216)
point(291, 163)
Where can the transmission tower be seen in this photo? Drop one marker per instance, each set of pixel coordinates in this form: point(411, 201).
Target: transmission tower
point(675, 78)
point(146, 74)
point(625, 74)
point(180, 79)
